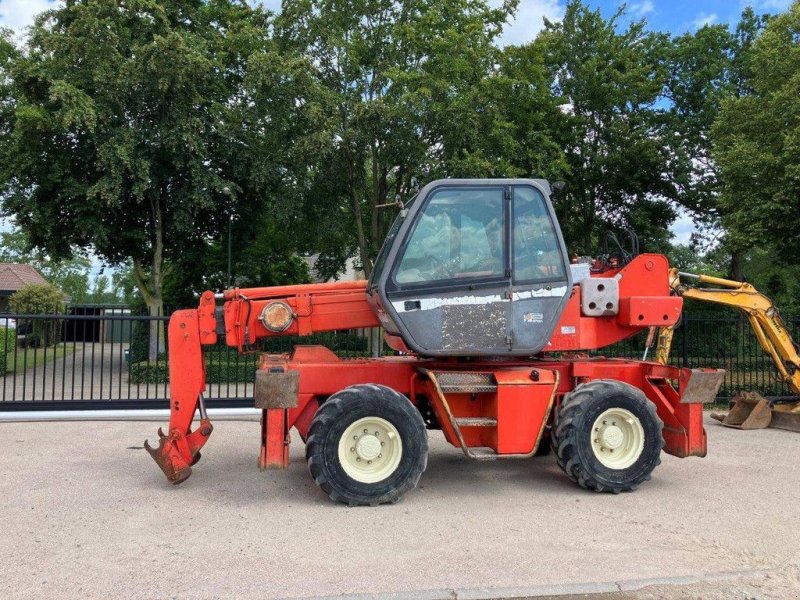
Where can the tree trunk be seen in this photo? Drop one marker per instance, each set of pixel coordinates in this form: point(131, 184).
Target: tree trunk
point(737, 265)
point(363, 242)
point(151, 287)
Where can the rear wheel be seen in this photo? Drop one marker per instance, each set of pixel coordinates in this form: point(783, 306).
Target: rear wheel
point(608, 437)
point(367, 445)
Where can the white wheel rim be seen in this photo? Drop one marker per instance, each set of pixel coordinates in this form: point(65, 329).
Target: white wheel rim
point(617, 438)
point(370, 449)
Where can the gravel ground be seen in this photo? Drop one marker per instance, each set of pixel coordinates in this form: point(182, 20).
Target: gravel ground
point(87, 514)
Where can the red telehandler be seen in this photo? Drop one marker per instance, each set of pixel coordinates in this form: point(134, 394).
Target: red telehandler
point(490, 323)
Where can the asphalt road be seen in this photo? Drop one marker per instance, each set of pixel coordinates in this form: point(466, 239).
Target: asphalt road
point(85, 513)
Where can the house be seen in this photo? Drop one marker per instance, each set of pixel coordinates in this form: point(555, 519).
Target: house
point(13, 276)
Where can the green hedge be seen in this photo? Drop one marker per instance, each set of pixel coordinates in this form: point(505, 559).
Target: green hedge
point(243, 371)
point(7, 342)
point(225, 365)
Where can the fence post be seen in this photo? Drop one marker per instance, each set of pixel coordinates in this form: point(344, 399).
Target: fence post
point(375, 340)
point(685, 341)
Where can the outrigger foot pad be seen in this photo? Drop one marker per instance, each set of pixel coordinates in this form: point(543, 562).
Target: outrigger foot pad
point(178, 451)
point(169, 459)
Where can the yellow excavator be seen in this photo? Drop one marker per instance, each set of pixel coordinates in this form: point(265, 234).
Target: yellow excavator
point(750, 410)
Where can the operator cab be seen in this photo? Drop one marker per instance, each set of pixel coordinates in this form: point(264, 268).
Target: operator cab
point(473, 268)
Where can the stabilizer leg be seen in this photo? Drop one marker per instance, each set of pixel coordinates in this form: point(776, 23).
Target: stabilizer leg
point(274, 439)
point(180, 448)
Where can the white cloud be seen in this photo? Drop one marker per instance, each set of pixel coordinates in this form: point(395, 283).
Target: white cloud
point(641, 9)
point(702, 19)
point(18, 14)
point(528, 21)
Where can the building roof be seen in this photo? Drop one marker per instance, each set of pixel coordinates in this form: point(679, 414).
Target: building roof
point(14, 275)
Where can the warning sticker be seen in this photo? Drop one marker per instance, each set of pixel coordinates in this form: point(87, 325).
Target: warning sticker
point(532, 317)
point(568, 330)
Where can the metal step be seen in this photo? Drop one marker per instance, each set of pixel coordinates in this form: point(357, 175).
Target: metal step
point(465, 382)
point(476, 422)
point(482, 453)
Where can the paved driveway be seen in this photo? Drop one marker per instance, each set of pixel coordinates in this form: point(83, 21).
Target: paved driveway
point(86, 514)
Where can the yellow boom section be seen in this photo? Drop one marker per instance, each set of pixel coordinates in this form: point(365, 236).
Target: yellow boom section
point(764, 319)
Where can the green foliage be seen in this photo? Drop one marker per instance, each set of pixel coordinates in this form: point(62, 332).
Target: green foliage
point(128, 122)
point(224, 364)
point(262, 255)
point(37, 299)
point(688, 260)
point(121, 125)
point(8, 338)
point(144, 372)
point(705, 68)
point(138, 349)
point(608, 78)
point(402, 92)
point(757, 145)
point(40, 299)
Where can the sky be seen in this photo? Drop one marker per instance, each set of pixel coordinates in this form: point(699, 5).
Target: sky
point(676, 16)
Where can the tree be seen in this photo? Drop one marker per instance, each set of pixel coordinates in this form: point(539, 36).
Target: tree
point(405, 95)
point(608, 80)
point(757, 146)
point(706, 68)
point(40, 299)
point(264, 254)
point(129, 120)
point(528, 105)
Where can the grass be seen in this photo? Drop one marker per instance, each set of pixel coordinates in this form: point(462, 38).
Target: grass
point(27, 358)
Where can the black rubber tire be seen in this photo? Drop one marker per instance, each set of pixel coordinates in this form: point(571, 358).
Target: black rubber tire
point(573, 431)
point(333, 418)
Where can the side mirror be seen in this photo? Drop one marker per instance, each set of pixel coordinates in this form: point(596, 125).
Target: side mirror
point(558, 186)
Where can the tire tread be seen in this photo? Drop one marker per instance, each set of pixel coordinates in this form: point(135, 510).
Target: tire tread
point(566, 435)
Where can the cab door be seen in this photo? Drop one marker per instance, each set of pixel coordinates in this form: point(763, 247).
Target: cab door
point(541, 278)
point(448, 287)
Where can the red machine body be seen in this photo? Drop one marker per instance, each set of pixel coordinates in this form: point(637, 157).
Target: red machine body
point(492, 328)
point(507, 418)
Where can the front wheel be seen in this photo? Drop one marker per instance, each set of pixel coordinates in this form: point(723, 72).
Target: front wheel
point(367, 445)
point(608, 437)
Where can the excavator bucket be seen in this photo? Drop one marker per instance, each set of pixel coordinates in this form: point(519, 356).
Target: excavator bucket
point(749, 411)
point(786, 416)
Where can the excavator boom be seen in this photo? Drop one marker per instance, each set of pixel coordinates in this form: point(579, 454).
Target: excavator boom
point(750, 410)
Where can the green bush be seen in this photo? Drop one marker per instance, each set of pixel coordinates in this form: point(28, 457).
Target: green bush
point(140, 340)
point(7, 341)
point(225, 365)
point(145, 372)
point(40, 299)
point(243, 371)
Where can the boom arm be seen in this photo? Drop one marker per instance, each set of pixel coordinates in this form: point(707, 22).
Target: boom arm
point(764, 318)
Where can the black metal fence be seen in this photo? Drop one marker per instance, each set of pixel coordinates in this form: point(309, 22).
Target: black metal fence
point(115, 359)
point(721, 341)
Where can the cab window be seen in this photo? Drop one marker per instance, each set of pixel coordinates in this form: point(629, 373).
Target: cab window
point(459, 234)
point(537, 255)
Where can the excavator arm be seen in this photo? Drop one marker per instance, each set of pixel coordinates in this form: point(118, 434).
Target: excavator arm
point(766, 323)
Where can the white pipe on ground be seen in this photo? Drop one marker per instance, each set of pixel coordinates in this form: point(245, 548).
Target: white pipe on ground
point(150, 414)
